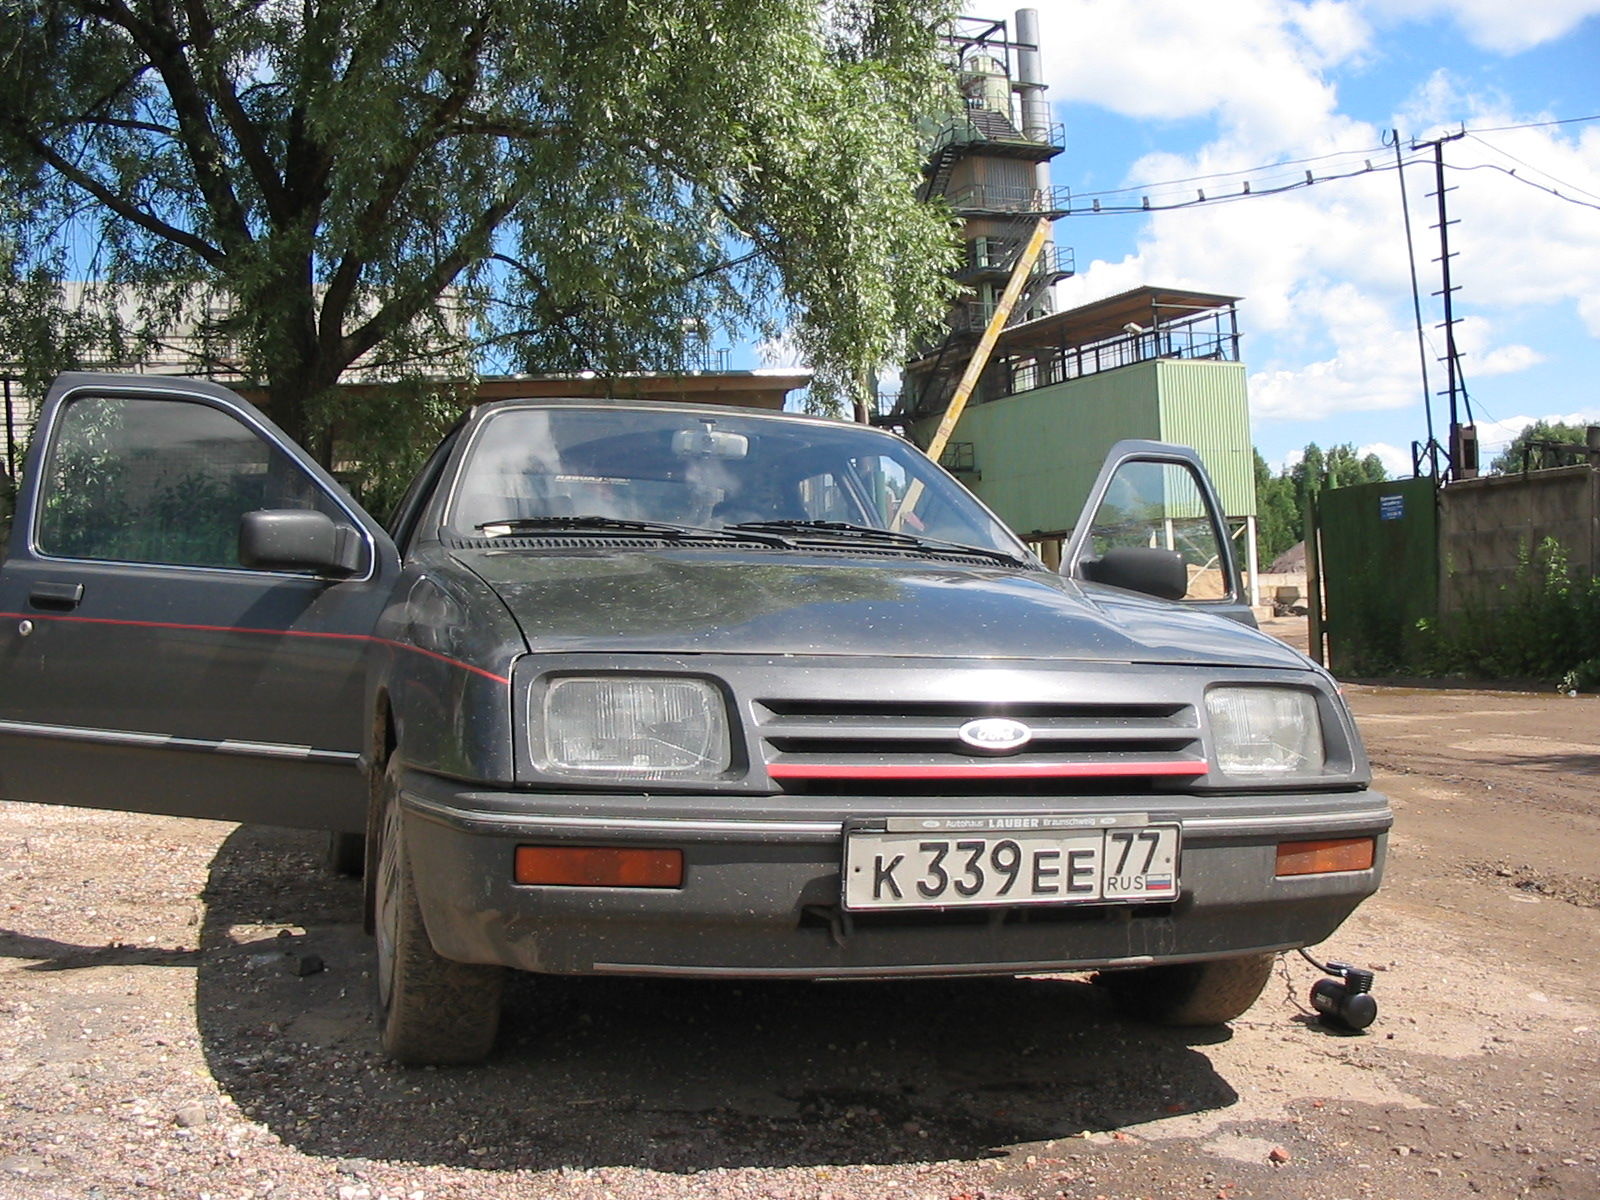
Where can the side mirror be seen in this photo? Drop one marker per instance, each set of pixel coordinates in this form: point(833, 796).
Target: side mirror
point(1149, 569)
point(298, 539)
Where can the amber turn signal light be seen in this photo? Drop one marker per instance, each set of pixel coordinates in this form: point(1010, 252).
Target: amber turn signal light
point(1326, 858)
point(598, 866)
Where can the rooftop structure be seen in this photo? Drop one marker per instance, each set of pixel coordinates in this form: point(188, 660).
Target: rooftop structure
point(990, 163)
point(1136, 326)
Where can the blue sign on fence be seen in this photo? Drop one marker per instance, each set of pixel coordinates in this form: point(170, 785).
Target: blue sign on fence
point(1391, 508)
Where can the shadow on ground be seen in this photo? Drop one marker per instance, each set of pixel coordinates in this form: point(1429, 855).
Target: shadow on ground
point(674, 1076)
point(50, 954)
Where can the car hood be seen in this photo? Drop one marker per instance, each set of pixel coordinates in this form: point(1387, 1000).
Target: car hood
point(718, 602)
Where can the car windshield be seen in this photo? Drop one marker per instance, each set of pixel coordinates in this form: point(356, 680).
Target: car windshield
point(538, 464)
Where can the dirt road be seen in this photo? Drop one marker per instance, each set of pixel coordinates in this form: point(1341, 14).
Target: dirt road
point(165, 1031)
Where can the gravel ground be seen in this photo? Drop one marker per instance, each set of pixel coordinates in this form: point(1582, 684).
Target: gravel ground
point(187, 1014)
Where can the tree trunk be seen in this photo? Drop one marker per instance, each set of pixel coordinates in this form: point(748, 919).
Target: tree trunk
point(298, 369)
point(286, 407)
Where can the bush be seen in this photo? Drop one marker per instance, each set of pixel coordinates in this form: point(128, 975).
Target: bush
point(1545, 625)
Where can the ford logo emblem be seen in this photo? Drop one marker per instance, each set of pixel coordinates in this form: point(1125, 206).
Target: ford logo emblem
point(996, 735)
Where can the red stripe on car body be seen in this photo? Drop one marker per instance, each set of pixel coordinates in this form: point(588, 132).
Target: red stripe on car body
point(294, 633)
point(1000, 770)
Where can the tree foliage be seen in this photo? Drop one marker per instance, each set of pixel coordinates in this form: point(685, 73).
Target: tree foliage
point(1283, 500)
point(1532, 450)
point(1279, 525)
point(426, 186)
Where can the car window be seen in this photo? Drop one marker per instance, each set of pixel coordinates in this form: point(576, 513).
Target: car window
point(161, 481)
point(825, 497)
point(713, 471)
point(897, 502)
point(1161, 504)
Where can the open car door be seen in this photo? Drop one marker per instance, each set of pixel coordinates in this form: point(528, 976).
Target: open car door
point(1153, 524)
point(185, 612)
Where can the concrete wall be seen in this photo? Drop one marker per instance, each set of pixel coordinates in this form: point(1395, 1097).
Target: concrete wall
point(1488, 525)
point(1271, 581)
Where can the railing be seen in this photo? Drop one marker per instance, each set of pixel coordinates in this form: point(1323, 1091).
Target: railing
point(973, 316)
point(1000, 255)
point(705, 359)
point(983, 197)
point(964, 130)
point(1205, 336)
point(959, 458)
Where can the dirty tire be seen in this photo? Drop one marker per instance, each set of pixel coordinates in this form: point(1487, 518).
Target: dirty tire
point(1185, 994)
point(431, 1010)
point(347, 854)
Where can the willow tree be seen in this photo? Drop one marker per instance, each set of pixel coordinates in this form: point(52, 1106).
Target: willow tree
point(544, 185)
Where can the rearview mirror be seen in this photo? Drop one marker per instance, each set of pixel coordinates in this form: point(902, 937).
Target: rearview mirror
point(1153, 570)
point(706, 442)
point(298, 539)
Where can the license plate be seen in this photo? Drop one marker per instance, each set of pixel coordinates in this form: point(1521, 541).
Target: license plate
point(962, 862)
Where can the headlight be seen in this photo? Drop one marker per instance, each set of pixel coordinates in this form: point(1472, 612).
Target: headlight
point(1265, 732)
point(638, 726)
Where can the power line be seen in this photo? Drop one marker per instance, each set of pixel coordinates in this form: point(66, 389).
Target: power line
point(1571, 187)
point(1534, 124)
point(1521, 179)
point(1144, 189)
point(1099, 209)
point(1219, 175)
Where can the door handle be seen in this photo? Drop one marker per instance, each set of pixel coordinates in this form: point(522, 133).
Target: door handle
point(59, 597)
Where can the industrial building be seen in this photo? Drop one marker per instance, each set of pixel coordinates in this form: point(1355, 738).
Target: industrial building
point(1059, 387)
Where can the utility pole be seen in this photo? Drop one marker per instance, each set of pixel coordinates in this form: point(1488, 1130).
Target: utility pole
point(1463, 438)
point(1430, 451)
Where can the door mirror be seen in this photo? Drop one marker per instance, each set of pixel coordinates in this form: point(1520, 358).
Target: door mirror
point(298, 539)
point(1149, 569)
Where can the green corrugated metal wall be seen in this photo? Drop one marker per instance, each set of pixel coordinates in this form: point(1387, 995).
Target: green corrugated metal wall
point(1203, 404)
point(1380, 570)
point(1037, 454)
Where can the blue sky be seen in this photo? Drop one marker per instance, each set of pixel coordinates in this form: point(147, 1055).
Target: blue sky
point(1159, 90)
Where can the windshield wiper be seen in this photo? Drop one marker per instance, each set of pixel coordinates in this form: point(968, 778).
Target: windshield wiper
point(591, 523)
point(845, 530)
point(841, 529)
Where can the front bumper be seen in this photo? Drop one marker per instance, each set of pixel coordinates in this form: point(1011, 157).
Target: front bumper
point(761, 895)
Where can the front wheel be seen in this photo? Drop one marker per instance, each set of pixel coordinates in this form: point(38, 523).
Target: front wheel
point(1188, 994)
point(431, 1010)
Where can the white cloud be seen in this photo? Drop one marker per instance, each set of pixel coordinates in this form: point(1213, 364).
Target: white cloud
point(1506, 360)
point(1496, 25)
point(1395, 460)
point(1333, 31)
point(1327, 313)
point(1257, 69)
point(1371, 376)
point(1434, 107)
point(1521, 246)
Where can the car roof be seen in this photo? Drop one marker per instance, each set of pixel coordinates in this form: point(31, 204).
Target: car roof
point(489, 407)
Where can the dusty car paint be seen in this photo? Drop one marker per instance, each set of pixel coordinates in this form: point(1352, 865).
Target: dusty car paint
point(847, 669)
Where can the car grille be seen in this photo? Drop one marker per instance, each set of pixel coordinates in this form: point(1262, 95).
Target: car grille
point(821, 746)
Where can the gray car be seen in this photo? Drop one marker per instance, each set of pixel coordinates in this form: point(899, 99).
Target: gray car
point(663, 690)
